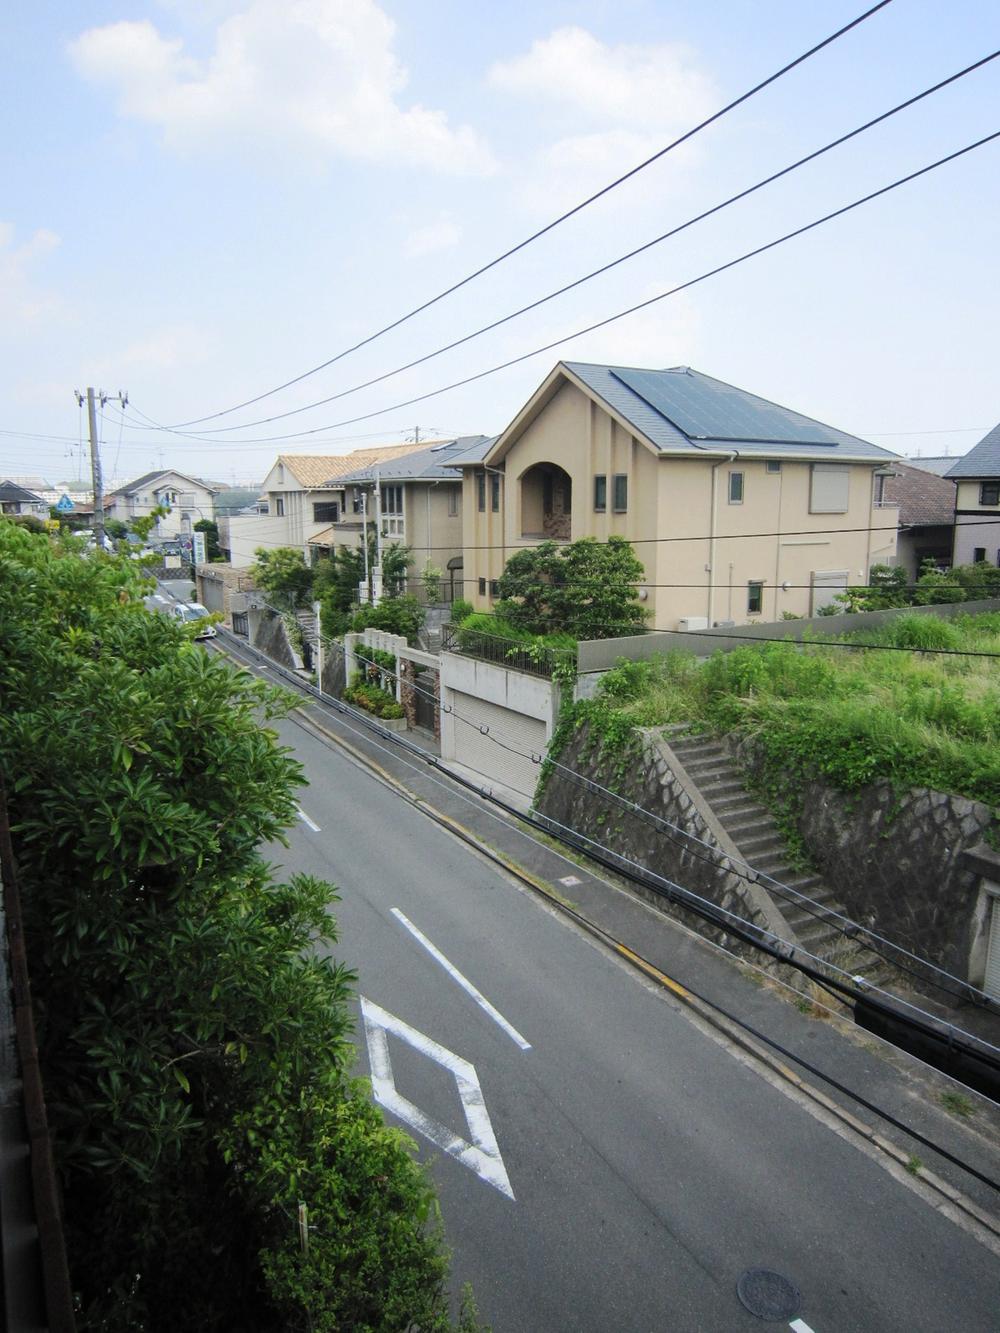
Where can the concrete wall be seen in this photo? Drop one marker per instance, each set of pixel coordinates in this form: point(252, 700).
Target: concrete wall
point(602, 654)
point(531, 696)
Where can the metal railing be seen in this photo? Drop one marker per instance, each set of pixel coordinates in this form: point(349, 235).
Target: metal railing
point(533, 659)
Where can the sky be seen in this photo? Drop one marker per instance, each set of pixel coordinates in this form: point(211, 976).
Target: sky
point(204, 199)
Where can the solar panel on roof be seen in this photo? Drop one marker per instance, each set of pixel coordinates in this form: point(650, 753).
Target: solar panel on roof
point(710, 410)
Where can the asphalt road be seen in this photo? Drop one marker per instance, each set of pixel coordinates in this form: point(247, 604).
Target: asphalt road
point(602, 1163)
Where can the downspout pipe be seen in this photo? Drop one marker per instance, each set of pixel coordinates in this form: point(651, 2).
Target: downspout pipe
point(730, 458)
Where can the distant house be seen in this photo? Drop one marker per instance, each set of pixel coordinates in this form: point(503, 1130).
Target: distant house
point(420, 504)
point(977, 502)
point(187, 499)
point(15, 500)
point(300, 497)
point(739, 509)
point(925, 505)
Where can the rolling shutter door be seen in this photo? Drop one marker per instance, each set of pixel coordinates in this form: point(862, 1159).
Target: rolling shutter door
point(482, 753)
point(992, 983)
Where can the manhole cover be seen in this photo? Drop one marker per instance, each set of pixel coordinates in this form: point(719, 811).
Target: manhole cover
point(768, 1295)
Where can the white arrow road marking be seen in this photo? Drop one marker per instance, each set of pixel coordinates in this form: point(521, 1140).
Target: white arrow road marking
point(482, 1155)
point(799, 1326)
point(308, 822)
point(463, 981)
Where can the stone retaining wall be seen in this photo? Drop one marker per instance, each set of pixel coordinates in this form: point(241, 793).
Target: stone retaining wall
point(897, 862)
point(649, 781)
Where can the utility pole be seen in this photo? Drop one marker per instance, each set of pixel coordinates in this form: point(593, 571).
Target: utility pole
point(378, 537)
point(95, 456)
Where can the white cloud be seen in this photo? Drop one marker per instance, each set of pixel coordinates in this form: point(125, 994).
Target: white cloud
point(318, 74)
point(21, 301)
point(626, 85)
point(624, 102)
point(167, 348)
point(442, 234)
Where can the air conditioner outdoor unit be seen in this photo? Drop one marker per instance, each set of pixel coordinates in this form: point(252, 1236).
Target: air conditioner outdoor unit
point(689, 623)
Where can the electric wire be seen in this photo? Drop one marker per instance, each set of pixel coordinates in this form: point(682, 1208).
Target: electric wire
point(641, 305)
point(514, 823)
point(614, 263)
point(563, 217)
point(743, 868)
point(370, 725)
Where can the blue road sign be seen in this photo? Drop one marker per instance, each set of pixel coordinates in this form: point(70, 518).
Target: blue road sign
point(65, 505)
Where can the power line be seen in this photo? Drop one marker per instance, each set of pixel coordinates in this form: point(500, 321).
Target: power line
point(614, 263)
point(643, 305)
point(563, 217)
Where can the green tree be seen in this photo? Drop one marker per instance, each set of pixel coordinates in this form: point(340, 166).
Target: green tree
point(588, 589)
point(339, 576)
point(888, 586)
point(213, 551)
point(193, 1027)
point(143, 526)
point(284, 576)
point(934, 588)
point(116, 529)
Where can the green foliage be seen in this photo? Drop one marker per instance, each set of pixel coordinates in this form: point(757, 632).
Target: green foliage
point(460, 608)
point(368, 696)
point(116, 529)
point(587, 589)
point(431, 579)
point(213, 551)
point(933, 588)
point(887, 587)
point(144, 525)
point(193, 1027)
point(282, 573)
point(849, 717)
point(397, 615)
point(339, 576)
point(498, 640)
point(978, 581)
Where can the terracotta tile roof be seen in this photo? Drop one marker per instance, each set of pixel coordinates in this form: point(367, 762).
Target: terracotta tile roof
point(922, 496)
point(315, 471)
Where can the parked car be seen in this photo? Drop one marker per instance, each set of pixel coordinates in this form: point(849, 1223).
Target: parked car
point(188, 612)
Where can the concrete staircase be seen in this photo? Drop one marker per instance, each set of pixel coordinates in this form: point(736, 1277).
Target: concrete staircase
point(815, 917)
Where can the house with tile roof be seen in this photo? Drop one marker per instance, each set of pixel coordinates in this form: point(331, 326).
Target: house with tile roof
point(977, 502)
point(302, 495)
point(924, 506)
point(417, 500)
point(187, 499)
point(738, 508)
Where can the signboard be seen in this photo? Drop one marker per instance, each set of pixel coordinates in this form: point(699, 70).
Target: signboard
point(185, 542)
point(199, 548)
point(65, 505)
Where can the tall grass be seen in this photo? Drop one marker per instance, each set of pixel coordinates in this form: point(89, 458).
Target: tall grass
point(853, 715)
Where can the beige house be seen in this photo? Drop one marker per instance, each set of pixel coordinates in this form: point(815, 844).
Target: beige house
point(187, 499)
point(977, 502)
point(417, 499)
point(304, 497)
point(739, 509)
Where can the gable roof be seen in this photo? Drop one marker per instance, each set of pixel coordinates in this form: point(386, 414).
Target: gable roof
point(438, 462)
point(317, 472)
point(680, 411)
point(148, 478)
point(923, 497)
point(939, 464)
point(981, 461)
point(12, 492)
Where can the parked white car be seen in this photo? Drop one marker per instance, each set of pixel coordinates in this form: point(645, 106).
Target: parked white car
point(189, 612)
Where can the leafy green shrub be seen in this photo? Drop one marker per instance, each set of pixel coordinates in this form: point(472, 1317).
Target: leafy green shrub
point(397, 615)
point(460, 608)
point(919, 632)
point(588, 589)
point(373, 700)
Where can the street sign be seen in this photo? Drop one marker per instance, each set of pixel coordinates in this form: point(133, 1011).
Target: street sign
point(65, 505)
point(199, 548)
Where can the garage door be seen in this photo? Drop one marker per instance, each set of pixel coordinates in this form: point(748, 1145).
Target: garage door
point(992, 984)
point(482, 733)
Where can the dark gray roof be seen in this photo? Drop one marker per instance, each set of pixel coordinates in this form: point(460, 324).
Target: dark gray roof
point(9, 490)
point(923, 497)
point(981, 461)
point(683, 411)
point(148, 477)
point(438, 463)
